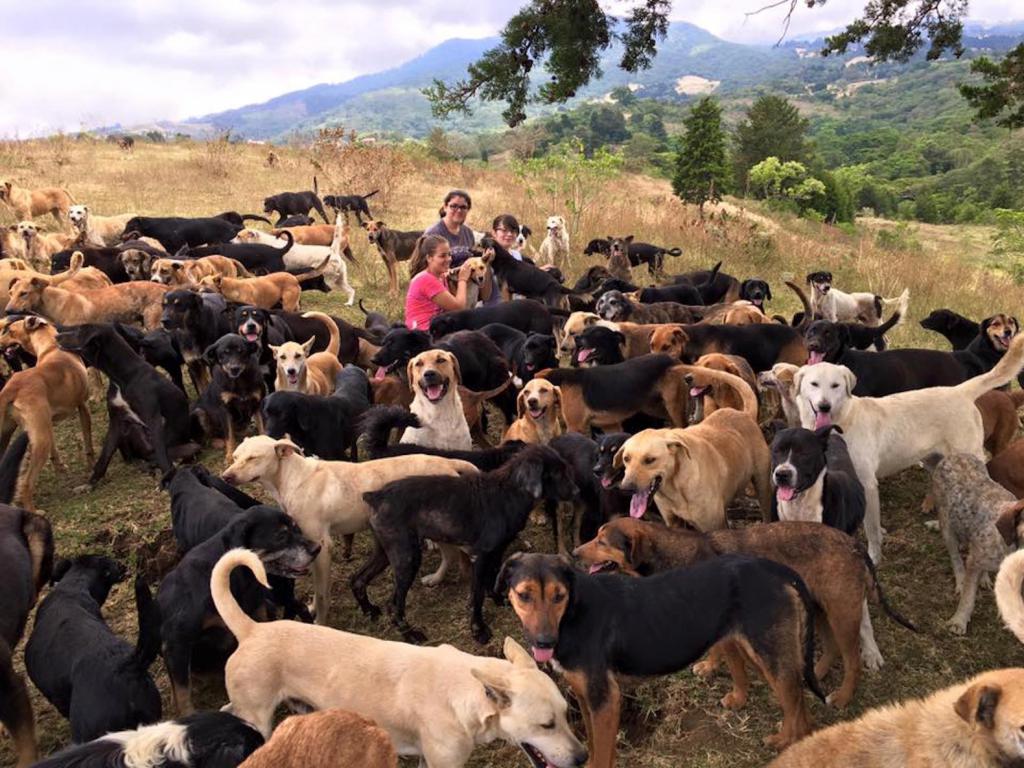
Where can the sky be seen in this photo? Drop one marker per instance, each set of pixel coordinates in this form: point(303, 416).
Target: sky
point(100, 62)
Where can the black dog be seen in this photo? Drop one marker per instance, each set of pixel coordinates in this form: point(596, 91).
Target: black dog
point(598, 345)
point(210, 740)
point(258, 258)
point(376, 323)
point(325, 427)
point(26, 562)
point(521, 278)
point(591, 279)
point(526, 353)
point(815, 479)
point(298, 220)
point(106, 260)
point(959, 330)
point(90, 675)
point(196, 322)
point(756, 291)
point(595, 504)
point(288, 204)
point(482, 366)
point(184, 595)
point(174, 232)
point(639, 253)
point(714, 285)
point(199, 511)
point(483, 513)
point(146, 411)
point(681, 293)
point(525, 315)
point(159, 348)
point(355, 203)
point(228, 405)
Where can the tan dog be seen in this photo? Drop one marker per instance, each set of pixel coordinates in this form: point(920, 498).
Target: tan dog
point(29, 203)
point(434, 377)
point(781, 380)
point(40, 246)
point(694, 473)
point(711, 393)
point(312, 234)
point(11, 243)
point(554, 250)
point(176, 272)
point(299, 371)
point(75, 277)
point(35, 398)
point(264, 292)
point(19, 265)
point(539, 414)
point(125, 302)
point(99, 231)
point(479, 276)
point(975, 724)
point(435, 703)
point(1009, 582)
point(327, 739)
point(325, 497)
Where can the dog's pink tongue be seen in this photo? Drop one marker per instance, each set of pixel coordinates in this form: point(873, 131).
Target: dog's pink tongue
point(606, 482)
point(697, 391)
point(638, 504)
point(583, 354)
point(382, 371)
point(822, 419)
point(434, 392)
point(543, 654)
point(815, 357)
point(785, 493)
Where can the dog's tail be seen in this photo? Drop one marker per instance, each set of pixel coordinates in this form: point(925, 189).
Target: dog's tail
point(674, 252)
point(1008, 593)
point(254, 217)
point(313, 273)
point(897, 317)
point(808, 312)
point(291, 241)
point(10, 464)
point(316, 189)
point(876, 588)
point(234, 618)
point(363, 309)
point(697, 375)
point(240, 267)
point(332, 328)
point(377, 423)
point(76, 263)
point(1009, 365)
point(480, 397)
point(371, 194)
point(793, 579)
point(147, 647)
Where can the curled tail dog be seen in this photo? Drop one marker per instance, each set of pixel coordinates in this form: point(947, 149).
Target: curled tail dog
point(698, 376)
point(1005, 370)
point(332, 328)
point(234, 618)
point(1008, 593)
point(808, 317)
point(377, 423)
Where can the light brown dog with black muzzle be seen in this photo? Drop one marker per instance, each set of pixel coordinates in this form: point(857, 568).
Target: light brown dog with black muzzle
point(539, 414)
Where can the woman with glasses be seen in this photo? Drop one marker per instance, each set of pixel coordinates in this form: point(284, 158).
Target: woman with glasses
point(505, 229)
point(452, 227)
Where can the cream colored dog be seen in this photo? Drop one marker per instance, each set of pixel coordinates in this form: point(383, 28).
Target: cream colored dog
point(886, 435)
point(976, 724)
point(299, 371)
point(40, 246)
point(555, 247)
point(99, 231)
point(575, 324)
point(29, 203)
point(538, 412)
point(434, 379)
point(780, 379)
point(435, 703)
point(325, 497)
point(694, 473)
point(1009, 582)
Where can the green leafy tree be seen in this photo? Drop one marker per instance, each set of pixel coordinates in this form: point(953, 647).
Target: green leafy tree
point(1002, 98)
point(771, 177)
point(702, 171)
point(773, 128)
point(623, 96)
point(607, 125)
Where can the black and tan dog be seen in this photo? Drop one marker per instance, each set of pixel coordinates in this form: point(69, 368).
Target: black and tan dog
point(994, 336)
point(231, 401)
point(616, 307)
point(596, 628)
point(393, 245)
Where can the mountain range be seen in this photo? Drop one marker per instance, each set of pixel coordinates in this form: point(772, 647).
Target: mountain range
point(690, 62)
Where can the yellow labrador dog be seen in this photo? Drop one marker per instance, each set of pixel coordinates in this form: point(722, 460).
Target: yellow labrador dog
point(976, 724)
point(29, 203)
point(99, 231)
point(325, 497)
point(694, 473)
point(434, 379)
point(436, 704)
point(299, 371)
point(888, 434)
point(538, 412)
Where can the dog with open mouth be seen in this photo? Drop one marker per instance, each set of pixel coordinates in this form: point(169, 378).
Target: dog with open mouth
point(300, 371)
point(539, 412)
point(434, 378)
point(598, 345)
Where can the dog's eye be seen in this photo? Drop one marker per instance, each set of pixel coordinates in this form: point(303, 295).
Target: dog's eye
point(558, 598)
point(814, 384)
point(549, 726)
point(835, 385)
point(649, 460)
point(523, 597)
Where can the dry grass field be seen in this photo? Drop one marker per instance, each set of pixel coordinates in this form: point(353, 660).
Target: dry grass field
point(670, 722)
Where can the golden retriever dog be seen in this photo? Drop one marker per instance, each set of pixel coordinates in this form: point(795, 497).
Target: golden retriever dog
point(35, 398)
point(434, 379)
point(264, 292)
point(538, 412)
point(694, 473)
point(98, 231)
point(554, 250)
point(29, 203)
point(325, 497)
point(327, 739)
point(888, 434)
point(313, 234)
point(175, 272)
point(40, 246)
point(437, 704)
point(299, 371)
point(132, 302)
point(975, 724)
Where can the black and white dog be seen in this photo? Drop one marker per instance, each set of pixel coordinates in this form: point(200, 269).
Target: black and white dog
point(815, 479)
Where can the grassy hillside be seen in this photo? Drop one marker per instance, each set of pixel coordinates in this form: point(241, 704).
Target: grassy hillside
point(673, 722)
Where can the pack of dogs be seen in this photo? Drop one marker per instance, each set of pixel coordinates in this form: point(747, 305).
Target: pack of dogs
point(638, 423)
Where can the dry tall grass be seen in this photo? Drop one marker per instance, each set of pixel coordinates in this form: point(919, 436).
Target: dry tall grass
point(672, 722)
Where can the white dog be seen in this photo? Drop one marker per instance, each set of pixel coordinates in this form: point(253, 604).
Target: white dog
point(555, 248)
point(837, 306)
point(301, 256)
point(434, 379)
point(98, 231)
point(888, 434)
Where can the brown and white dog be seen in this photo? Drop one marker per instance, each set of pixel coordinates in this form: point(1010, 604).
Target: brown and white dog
point(434, 379)
point(177, 272)
point(538, 412)
point(299, 371)
point(29, 203)
point(96, 230)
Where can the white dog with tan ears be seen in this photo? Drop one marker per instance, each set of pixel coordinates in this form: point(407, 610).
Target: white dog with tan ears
point(437, 704)
point(98, 231)
point(888, 434)
point(555, 247)
point(434, 379)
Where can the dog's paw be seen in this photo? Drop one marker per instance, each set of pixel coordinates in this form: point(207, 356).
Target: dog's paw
point(957, 626)
point(734, 700)
point(985, 581)
point(414, 636)
point(432, 580)
point(872, 659)
point(838, 699)
point(931, 525)
point(704, 668)
point(776, 741)
point(482, 635)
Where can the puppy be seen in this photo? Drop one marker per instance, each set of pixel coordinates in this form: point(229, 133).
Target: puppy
point(326, 739)
point(555, 247)
point(976, 514)
point(539, 414)
point(975, 724)
point(299, 371)
point(89, 674)
point(434, 377)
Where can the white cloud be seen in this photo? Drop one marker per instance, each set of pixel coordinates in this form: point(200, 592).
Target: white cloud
point(133, 61)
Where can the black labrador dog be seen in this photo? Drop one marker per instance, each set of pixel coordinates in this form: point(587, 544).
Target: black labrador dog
point(526, 353)
point(196, 320)
point(90, 675)
point(228, 405)
point(175, 232)
point(959, 330)
point(287, 204)
point(354, 203)
point(159, 348)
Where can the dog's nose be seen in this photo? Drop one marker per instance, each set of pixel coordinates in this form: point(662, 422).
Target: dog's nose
point(581, 757)
point(545, 641)
point(824, 407)
point(532, 403)
point(783, 476)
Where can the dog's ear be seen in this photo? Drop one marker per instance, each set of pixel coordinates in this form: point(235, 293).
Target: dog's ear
point(497, 688)
point(515, 653)
point(308, 346)
point(286, 447)
point(507, 573)
point(1006, 523)
point(850, 378)
point(1016, 325)
point(978, 705)
point(628, 240)
point(455, 366)
point(408, 376)
point(590, 320)
point(529, 475)
point(620, 340)
point(60, 569)
point(521, 404)
point(767, 291)
point(274, 350)
point(38, 282)
point(177, 266)
point(32, 322)
point(810, 278)
point(824, 433)
point(676, 445)
point(617, 460)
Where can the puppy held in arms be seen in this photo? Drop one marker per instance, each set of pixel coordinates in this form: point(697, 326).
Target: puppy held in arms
point(434, 379)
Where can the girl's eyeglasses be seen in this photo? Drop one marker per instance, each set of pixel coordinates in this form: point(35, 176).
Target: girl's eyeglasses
point(457, 207)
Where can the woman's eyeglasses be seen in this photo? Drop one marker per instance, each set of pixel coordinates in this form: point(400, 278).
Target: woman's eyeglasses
point(457, 207)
